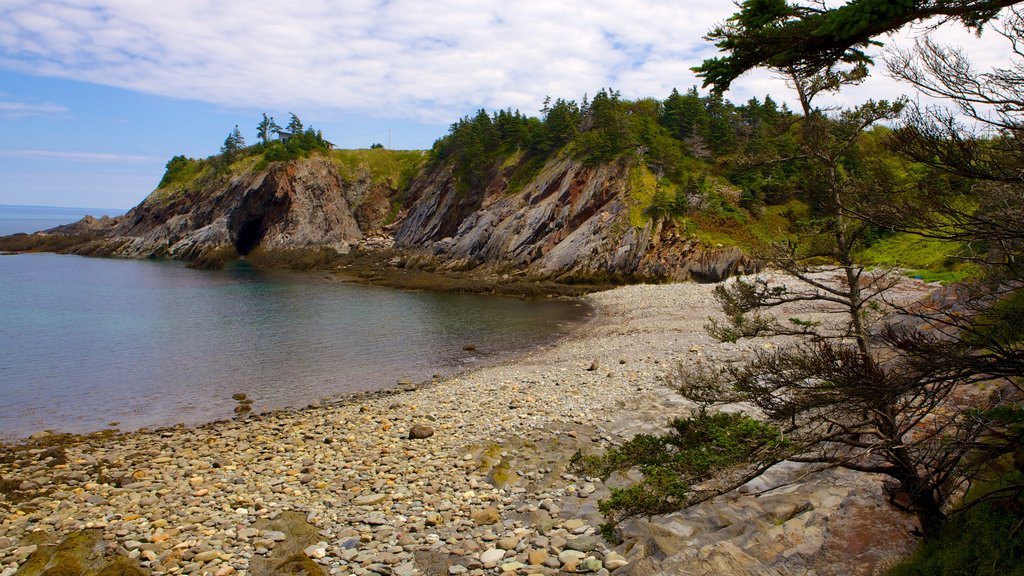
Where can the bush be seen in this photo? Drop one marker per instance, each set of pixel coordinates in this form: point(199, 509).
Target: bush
point(695, 450)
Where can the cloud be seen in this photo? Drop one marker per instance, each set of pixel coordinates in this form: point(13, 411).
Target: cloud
point(13, 109)
point(75, 156)
point(431, 62)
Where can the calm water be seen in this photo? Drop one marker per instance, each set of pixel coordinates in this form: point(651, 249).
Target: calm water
point(86, 341)
point(15, 219)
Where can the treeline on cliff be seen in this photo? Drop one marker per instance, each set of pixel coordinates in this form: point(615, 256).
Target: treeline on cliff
point(723, 173)
point(677, 138)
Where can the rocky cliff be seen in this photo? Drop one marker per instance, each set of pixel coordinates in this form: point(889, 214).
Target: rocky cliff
point(295, 205)
point(570, 222)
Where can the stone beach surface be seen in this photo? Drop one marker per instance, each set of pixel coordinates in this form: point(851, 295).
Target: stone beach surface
point(463, 476)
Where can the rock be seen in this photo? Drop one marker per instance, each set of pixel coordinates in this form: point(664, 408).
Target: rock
point(573, 524)
point(537, 557)
point(511, 566)
point(613, 560)
point(239, 396)
point(275, 535)
point(433, 519)
point(420, 431)
point(369, 499)
point(486, 517)
point(316, 551)
point(469, 348)
point(575, 556)
point(590, 565)
point(225, 570)
point(508, 543)
point(205, 557)
point(594, 366)
point(492, 556)
point(582, 543)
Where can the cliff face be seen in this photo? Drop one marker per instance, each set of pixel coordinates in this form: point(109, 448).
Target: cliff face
point(289, 205)
point(570, 223)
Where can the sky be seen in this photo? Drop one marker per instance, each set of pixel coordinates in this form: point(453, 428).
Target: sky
point(96, 96)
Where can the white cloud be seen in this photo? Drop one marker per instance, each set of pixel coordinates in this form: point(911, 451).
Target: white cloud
point(430, 61)
point(14, 109)
point(75, 156)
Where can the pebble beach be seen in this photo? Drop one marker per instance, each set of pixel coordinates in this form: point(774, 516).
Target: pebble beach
point(467, 475)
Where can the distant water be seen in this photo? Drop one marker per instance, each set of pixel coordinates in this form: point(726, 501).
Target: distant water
point(86, 341)
point(15, 219)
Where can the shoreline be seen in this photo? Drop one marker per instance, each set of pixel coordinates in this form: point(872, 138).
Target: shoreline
point(156, 405)
point(486, 492)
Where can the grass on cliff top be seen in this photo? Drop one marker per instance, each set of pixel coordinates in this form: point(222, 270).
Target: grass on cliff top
point(395, 168)
point(925, 258)
point(753, 234)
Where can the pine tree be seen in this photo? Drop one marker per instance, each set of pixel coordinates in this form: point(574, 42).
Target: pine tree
point(295, 125)
point(232, 144)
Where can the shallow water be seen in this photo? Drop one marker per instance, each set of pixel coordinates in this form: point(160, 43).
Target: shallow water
point(85, 342)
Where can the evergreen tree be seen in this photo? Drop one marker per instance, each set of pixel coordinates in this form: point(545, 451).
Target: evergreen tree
point(808, 38)
point(232, 144)
point(294, 124)
point(266, 127)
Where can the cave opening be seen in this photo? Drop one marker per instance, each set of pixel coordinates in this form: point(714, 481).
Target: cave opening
point(249, 236)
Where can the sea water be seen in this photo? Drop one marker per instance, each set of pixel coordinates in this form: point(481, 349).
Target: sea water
point(87, 343)
point(28, 219)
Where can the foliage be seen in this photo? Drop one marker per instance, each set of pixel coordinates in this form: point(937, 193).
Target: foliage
point(929, 259)
point(984, 540)
point(392, 168)
point(697, 448)
point(294, 124)
point(301, 144)
point(898, 398)
point(180, 169)
point(266, 127)
point(809, 38)
point(232, 145)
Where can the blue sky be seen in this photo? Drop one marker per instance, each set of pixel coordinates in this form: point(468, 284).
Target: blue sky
point(97, 95)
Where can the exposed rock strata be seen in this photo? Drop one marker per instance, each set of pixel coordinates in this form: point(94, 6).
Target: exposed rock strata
point(570, 223)
point(287, 206)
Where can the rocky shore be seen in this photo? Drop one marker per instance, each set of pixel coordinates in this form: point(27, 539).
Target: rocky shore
point(464, 476)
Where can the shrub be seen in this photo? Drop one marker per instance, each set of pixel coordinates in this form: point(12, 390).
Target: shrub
point(694, 451)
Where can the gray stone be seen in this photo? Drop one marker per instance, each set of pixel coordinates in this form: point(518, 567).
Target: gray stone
point(420, 431)
point(582, 543)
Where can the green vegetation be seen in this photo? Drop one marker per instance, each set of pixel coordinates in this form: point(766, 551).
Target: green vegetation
point(697, 449)
point(726, 174)
point(394, 168)
point(984, 540)
point(929, 259)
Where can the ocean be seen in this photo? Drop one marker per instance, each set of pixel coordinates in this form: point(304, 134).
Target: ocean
point(90, 343)
point(15, 219)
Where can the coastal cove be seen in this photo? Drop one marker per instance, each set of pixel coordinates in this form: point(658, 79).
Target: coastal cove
point(88, 342)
